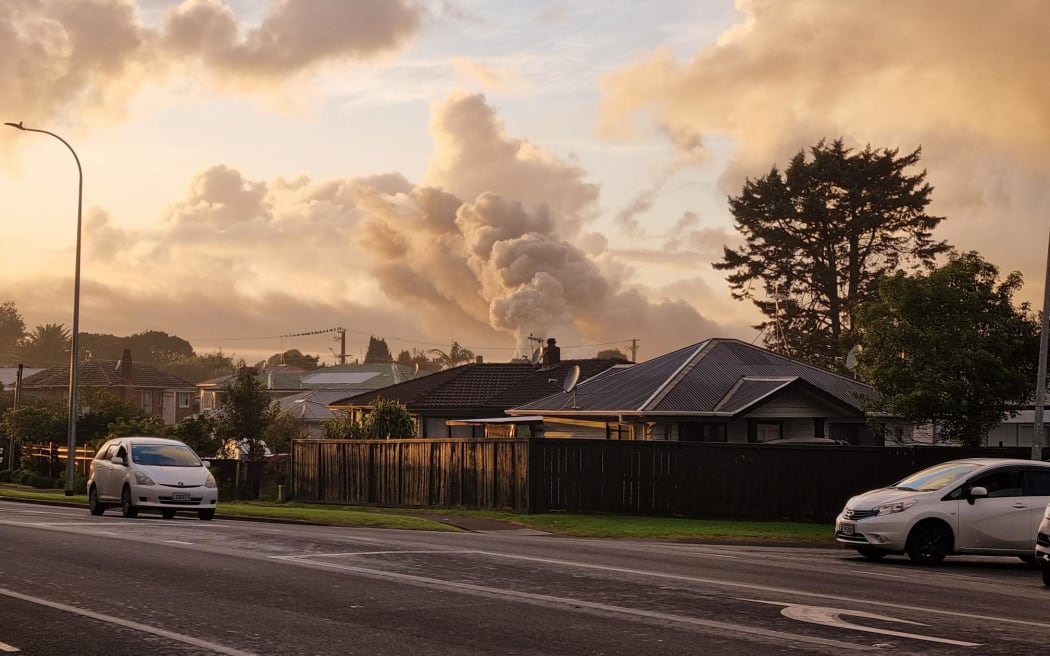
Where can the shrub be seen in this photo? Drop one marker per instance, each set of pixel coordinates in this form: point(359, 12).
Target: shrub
point(6, 475)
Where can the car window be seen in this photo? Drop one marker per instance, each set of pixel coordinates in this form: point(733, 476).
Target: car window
point(122, 452)
point(937, 477)
point(1001, 483)
point(105, 453)
point(1037, 482)
point(164, 455)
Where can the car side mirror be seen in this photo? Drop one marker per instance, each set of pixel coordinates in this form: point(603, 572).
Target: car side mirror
point(207, 464)
point(976, 493)
point(117, 460)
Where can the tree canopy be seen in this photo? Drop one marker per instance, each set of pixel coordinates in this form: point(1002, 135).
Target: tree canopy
point(611, 354)
point(293, 357)
point(45, 346)
point(245, 414)
point(378, 351)
point(950, 347)
point(12, 330)
point(819, 236)
point(456, 355)
point(387, 419)
point(152, 347)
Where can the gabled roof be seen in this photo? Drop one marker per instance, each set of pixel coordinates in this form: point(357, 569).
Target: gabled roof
point(9, 375)
point(106, 373)
point(718, 376)
point(496, 385)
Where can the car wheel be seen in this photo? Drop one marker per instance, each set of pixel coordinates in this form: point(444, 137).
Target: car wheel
point(871, 554)
point(96, 507)
point(1046, 574)
point(206, 514)
point(928, 543)
point(167, 513)
point(126, 507)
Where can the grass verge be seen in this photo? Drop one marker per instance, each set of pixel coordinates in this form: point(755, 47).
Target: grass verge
point(594, 526)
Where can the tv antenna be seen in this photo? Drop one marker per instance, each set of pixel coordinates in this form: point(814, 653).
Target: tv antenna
point(571, 380)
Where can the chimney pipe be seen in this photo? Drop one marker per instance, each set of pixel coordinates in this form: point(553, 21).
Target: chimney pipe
point(125, 366)
point(480, 359)
point(551, 354)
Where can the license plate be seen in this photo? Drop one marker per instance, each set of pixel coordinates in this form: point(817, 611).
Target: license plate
point(184, 496)
point(847, 529)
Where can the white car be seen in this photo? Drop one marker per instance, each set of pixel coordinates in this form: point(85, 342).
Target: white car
point(983, 506)
point(155, 473)
point(1042, 546)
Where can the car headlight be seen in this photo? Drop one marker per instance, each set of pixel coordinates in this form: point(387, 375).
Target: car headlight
point(142, 479)
point(210, 482)
point(895, 507)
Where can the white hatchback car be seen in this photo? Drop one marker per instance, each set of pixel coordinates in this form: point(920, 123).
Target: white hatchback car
point(1042, 546)
point(154, 473)
point(983, 506)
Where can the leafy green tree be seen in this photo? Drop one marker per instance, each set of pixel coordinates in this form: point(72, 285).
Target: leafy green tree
point(820, 235)
point(950, 348)
point(294, 358)
point(284, 428)
point(341, 427)
point(45, 346)
point(378, 351)
point(245, 414)
point(38, 421)
point(12, 330)
point(385, 420)
point(198, 368)
point(198, 432)
point(388, 420)
point(98, 410)
point(611, 354)
point(152, 347)
point(148, 426)
point(456, 355)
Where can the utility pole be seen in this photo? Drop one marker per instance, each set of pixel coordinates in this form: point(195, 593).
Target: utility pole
point(1038, 434)
point(634, 350)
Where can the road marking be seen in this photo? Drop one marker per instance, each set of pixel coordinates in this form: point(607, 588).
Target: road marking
point(136, 626)
point(779, 637)
point(380, 553)
point(833, 617)
point(4, 647)
point(178, 542)
point(864, 572)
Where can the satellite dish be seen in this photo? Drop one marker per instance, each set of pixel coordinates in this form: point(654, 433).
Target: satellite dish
point(851, 357)
point(571, 379)
point(535, 356)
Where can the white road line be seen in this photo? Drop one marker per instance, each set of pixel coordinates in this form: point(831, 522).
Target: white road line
point(4, 647)
point(780, 637)
point(864, 572)
point(381, 553)
point(136, 626)
point(178, 542)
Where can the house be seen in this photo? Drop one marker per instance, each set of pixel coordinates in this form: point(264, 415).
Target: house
point(9, 378)
point(311, 408)
point(719, 390)
point(153, 391)
point(283, 381)
point(443, 402)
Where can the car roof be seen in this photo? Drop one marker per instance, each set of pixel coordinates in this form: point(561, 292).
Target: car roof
point(986, 462)
point(142, 439)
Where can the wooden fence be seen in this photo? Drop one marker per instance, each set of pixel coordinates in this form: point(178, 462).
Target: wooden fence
point(730, 481)
point(53, 457)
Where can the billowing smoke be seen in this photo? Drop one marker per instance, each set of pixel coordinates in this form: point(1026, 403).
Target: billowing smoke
point(967, 84)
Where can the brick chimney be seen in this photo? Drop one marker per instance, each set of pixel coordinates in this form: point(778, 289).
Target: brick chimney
point(125, 366)
point(551, 354)
point(480, 359)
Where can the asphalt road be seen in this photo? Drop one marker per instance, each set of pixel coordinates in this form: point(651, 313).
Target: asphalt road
point(75, 584)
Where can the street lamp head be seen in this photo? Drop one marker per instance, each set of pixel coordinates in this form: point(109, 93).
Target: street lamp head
point(16, 125)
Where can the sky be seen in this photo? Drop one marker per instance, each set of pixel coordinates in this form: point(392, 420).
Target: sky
point(479, 171)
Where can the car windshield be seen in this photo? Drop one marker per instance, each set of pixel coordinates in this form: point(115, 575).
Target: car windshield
point(164, 455)
point(936, 477)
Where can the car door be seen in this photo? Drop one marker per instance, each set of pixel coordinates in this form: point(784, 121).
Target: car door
point(1037, 488)
point(1000, 521)
point(101, 469)
point(118, 473)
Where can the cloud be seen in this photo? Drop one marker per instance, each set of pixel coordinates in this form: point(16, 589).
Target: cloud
point(967, 85)
point(90, 57)
point(293, 36)
point(489, 78)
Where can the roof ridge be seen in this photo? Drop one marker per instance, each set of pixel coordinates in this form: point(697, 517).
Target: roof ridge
point(664, 388)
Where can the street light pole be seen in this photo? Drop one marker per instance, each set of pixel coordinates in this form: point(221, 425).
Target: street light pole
point(1038, 433)
point(71, 444)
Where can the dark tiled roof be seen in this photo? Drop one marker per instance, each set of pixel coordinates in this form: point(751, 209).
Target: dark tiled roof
point(490, 385)
point(699, 379)
point(106, 373)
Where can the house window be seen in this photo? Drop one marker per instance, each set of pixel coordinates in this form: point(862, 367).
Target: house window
point(184, 399)
point(147, 401)
point(701, 432)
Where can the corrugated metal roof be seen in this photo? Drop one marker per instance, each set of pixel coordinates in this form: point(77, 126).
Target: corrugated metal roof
point(310, 405)
point(748, 390)
point(694, 380)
